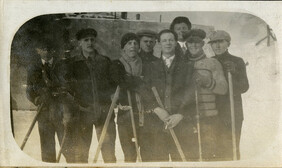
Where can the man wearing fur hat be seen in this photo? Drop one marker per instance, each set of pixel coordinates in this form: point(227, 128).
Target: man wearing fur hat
point(220, 41)
point(181, 25)
point(92, 89)
point(209, 81)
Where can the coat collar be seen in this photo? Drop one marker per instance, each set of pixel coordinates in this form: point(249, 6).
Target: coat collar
point(203, 55)
point(80, 57)
point(225, 54)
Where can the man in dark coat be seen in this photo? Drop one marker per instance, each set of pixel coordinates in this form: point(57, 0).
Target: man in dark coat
point(170, 75)
point(220, 41)
point(92, 89)
point(126, 72)
point(45, 81)
point(181, 26)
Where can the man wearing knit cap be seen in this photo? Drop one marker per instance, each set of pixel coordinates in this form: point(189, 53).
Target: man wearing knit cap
point(170, 75)
point(91, 85)
point(126, 72)
point(209, 81)
point(220, 41)
point(181, 25)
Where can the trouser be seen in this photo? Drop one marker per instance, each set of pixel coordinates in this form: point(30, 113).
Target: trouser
point(84, 134)
point(156, 143)
point(188, 139)
point(127, 143)
point(50, 123)
point(158, 146)
point(225, 149)
point(126, 136)
point(209, 135)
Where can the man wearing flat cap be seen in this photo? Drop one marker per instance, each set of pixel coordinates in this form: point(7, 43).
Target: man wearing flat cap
point(209, 81)
point(92, 89)
point(147, 44)
point(181, 25)
point(220, 41)
point(147, 40)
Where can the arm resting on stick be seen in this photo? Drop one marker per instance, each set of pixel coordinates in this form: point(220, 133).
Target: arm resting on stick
point(156, 94)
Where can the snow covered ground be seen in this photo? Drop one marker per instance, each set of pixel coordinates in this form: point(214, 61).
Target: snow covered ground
point(23, 119)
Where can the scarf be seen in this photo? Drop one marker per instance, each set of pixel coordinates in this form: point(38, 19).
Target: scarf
point(133, 66)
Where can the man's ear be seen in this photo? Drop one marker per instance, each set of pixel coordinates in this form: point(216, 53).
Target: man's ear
point(202, 43)
point(228, 43)
point(37, 50)
point(79, 43)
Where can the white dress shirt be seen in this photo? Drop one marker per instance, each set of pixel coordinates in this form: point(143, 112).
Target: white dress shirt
point(168, 61)
point(50, 61)
point(183, 46)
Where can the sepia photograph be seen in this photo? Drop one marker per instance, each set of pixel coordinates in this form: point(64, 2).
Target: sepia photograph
point(121, 86)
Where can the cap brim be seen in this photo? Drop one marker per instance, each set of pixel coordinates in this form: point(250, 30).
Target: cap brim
point(219, 39)
point(148, 35)
point(194, 39)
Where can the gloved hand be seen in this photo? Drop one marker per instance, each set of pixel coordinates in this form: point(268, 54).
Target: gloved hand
point(37, 101)
point(43, 97)
point(173, 120)
point(93, 113)
point(161, 113)
point(126, 83)
point(203, 78)
point(124, 108)
point(230, 66)
point(68, 117)
point(131, 82)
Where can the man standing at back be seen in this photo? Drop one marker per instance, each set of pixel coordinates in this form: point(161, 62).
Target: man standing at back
point(181, 25)
point(220, 41)
point(92, 91)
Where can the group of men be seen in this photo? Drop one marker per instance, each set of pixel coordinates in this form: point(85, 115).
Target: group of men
point(190, 96)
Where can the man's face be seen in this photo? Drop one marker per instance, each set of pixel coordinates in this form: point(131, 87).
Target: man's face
point(131, 48)
point(195, 48)
point(88, 44)
point(168, 43)
point(44, 54)
point(147, 44)
point(219, 46)
point(181, 29)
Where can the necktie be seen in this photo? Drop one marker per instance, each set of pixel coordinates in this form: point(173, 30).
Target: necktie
point(47, 69)
point(168, 62)
point(184, 49)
